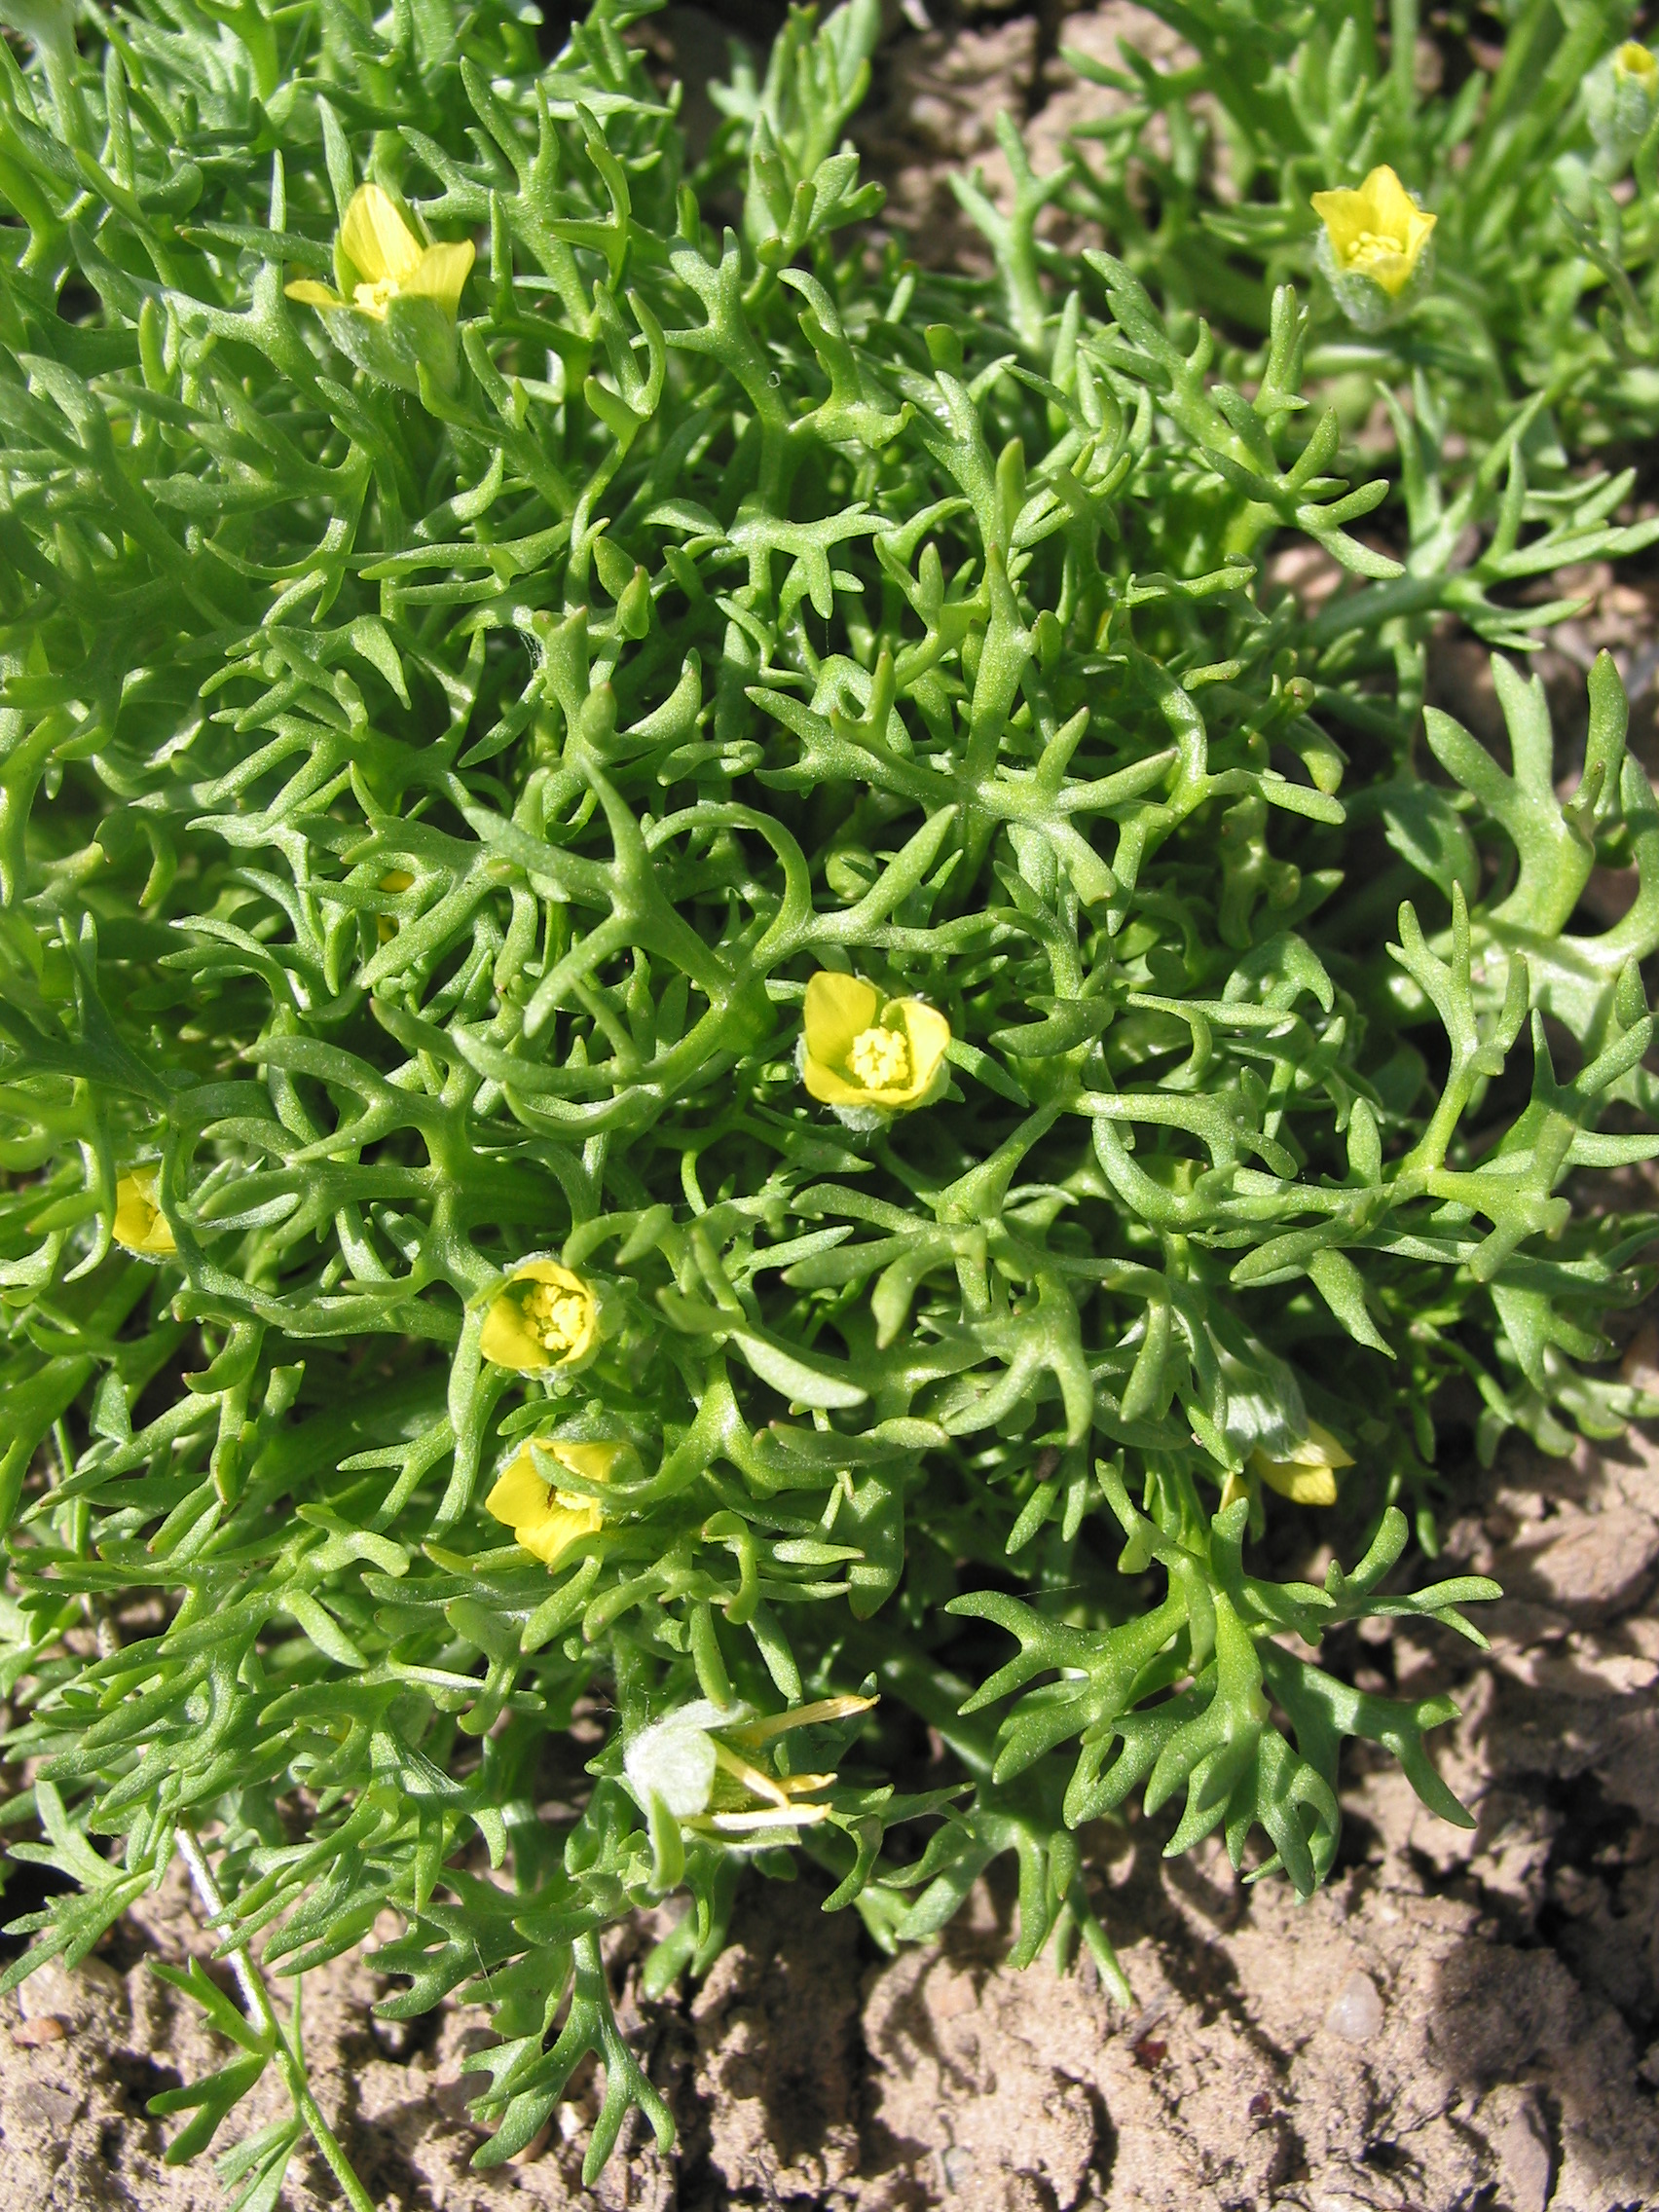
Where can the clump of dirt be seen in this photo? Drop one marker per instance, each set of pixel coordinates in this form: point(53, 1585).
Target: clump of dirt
point(1460, 2018)
point(939, 92)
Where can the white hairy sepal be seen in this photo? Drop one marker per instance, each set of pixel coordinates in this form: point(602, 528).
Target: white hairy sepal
point(674, 1758)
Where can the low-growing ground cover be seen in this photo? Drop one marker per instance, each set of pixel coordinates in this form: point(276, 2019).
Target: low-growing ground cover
point(685, 894)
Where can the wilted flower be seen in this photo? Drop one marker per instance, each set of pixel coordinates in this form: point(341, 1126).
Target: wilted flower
point(1375, 246)
point(1306, 1475)
point(397, 300)
point(543, 1316)
point(544, 1519)
point(702, 1762)
point(868, 1057)
point(140, 1226)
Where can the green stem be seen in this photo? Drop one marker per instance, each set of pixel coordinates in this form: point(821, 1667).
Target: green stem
point(256, 2002)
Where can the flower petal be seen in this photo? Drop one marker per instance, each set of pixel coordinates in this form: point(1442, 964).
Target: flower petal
point(1333, 1453)
point(1344, 214)
point(833, 1090)
point(1303, 1486)
point(928, 1035)
point(440, 275)
point(836, 1009)
point(311, 294)
point(798, 1816)
point(507, 1338)
point(520, 1497)
point(1389, 207)
point(593, 1462)
point(376, 240)
point(559, 1528)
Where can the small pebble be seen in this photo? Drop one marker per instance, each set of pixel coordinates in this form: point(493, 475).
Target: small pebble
point(44, 2027)
point(958, 2164)
point(1356, 2010)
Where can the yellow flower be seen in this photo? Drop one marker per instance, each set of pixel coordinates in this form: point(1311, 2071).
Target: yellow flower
point(1635, 65)
point(1377, 231)
point(389, 262)
point(546, 1317)
point(140, 1226)
point(543, 1519)
point(1307, 1477)
point(859, 1053)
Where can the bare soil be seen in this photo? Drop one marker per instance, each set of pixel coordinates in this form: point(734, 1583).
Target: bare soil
point(1456, 2021)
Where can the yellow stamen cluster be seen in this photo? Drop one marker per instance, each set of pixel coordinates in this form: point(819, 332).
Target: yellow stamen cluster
point(558, 1317)
point(1367, 248)
point(880, 1058)
point(374, 299)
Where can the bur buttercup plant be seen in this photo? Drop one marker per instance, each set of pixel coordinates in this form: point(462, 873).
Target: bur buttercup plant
point(699, 1016)
point(1542, 174)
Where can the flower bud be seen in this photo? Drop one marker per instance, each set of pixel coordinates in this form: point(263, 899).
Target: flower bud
point(140, 1226)
point(1620, 95)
